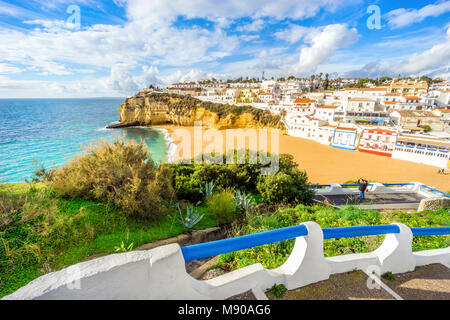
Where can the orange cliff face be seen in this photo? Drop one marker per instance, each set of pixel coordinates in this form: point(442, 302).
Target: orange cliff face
point(157, 109)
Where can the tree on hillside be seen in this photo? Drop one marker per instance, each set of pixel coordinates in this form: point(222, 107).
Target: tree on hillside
point(327, 82)
point(428, 80)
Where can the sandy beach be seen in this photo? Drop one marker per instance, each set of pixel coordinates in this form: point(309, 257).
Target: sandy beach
point(325, 164)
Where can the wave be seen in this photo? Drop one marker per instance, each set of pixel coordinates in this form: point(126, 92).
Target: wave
point(171, 146)
point(105, 128)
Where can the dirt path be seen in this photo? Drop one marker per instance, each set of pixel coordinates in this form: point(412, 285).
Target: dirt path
point(325, 164)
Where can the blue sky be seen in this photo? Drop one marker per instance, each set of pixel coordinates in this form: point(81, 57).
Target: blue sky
point(86, 48)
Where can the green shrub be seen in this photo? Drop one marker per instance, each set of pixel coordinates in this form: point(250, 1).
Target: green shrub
point(388, 276)
point(285, 188)
point(188, 178)
point(121, 173)
point(223, 206)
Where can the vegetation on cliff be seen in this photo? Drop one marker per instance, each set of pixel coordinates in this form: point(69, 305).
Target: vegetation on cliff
point(184, 105)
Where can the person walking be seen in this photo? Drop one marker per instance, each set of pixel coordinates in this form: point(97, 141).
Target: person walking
point(362, 187)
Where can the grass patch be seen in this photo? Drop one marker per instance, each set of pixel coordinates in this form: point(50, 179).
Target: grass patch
point(388, 276)
point(277, 291)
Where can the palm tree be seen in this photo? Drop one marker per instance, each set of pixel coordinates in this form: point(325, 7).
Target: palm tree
point(311, 87)
point(327, 82)
point(320, 80)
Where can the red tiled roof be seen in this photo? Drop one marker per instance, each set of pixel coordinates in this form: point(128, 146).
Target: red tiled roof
point(368, 89)
point(304, 100)
point(327, 107)
point(376, 130)
point(412, 98)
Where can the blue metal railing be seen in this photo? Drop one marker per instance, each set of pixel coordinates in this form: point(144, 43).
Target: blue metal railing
point(435, 190)
point(355, 185)
point(209, 249)
point(358, 231)
point(430, 231)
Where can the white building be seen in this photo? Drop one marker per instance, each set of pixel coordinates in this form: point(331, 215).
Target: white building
point(345, 138)
point(440, 86)
point(311, 128)
point(302, 106)
point(423, 149)
point(326, 112)
point(443, 99)
point(265, 97)
point(361, 104)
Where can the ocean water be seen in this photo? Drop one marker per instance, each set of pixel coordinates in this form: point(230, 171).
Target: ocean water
point(50, 131)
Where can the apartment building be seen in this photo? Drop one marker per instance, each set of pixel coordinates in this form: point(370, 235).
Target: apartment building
point(409, 87)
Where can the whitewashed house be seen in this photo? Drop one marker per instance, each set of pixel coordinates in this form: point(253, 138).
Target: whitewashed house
point(345, 138)
point(361, 104)
point(326, 113)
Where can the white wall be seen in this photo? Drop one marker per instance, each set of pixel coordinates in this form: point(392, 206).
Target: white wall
point(160, 273)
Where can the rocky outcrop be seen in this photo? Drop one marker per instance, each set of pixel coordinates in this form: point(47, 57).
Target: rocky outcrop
point(160, 108)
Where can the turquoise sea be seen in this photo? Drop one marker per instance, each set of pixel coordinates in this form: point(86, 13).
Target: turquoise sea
point(51, 131)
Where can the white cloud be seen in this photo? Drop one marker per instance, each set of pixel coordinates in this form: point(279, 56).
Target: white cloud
point(191, 75)
point(254, 26)
point(55, 48)
point(324, 42)
point(429, 59)
point(399, 18)
point(7, 68)
point(434, 61)
point(159, 10)
point(248, 37)
point(292, 34)
point(121, 80)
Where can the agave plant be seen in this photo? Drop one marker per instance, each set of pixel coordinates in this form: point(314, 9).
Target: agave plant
point(244, 201)
point(208, 189)
point(191, 219)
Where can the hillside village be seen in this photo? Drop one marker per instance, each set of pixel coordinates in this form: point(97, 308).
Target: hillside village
point(407, 119)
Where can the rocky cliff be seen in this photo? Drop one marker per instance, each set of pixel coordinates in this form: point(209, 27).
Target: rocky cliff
point(161, 108)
